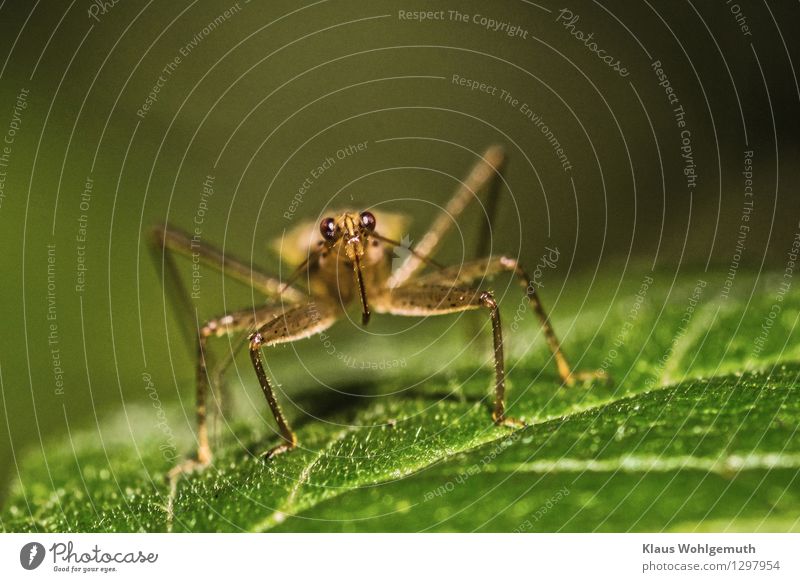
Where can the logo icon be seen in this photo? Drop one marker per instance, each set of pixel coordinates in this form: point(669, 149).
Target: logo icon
point(31, 555)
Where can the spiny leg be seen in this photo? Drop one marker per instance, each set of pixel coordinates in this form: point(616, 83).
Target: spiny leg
point(423, 300)
point(294, 324)
point(472, 271)
point(244, 320)
point(486, 169)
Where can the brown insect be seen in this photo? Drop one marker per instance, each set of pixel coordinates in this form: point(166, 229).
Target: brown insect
point(347, 258)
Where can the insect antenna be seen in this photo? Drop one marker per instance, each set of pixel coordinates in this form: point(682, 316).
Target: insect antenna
point(301, 268)
point(420, 256)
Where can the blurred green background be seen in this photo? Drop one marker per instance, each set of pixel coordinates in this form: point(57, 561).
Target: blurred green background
point(264, 92)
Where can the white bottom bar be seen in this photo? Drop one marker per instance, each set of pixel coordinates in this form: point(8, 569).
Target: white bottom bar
point(390, 557)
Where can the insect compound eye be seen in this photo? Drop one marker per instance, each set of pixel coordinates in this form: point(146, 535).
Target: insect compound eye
point(328, 229)
point(368, 220)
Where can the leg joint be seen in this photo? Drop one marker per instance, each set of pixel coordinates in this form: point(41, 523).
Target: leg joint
point(487, 300)
point(508, 263)
point(513, 266)
point(256, 340)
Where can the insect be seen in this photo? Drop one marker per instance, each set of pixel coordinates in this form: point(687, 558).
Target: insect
point(346, 259)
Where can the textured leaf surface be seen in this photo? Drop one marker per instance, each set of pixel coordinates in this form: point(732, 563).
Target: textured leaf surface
point(698, 432)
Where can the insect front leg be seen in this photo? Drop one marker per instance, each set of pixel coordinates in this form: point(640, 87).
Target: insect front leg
point(239, 321)
point(293, 324)
point(479, 269)
point(432, 299)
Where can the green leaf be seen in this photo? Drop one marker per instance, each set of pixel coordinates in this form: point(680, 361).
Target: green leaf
point(698, 432)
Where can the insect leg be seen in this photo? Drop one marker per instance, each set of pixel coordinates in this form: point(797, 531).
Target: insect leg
point(294, 324)
point(487, 168)
point(177, 241)
point(248, 319)
point(423, 300)
point(479, 269)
